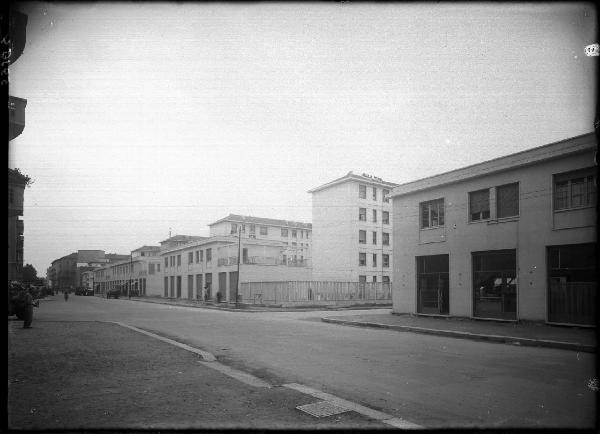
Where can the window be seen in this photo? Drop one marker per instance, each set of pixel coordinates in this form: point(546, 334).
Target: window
point(190, 257)
point(172, 261)
point(374, 237)
point(362, 214)
point(362, 259)
point(158, 268)
point(208, 255)
point(495, 284)
point(386, 238)
point(385, 195)
point(166, 262)
point(234, 228)
point(362, 191)
point(307, 235)
point(301, 234)
point(374, 279)
point(150, 268)
point(264, 230)
point(574, 189)
point(374, 215)
point(362, 237)
point(507, 200)
point(479, 205)
point(385, 217)
point(385, 259)
point(284, 232)
point(294, 233)
point(374, 193)
point(432, 214)
point(374, 259)
point(201, 255)
point(178, 260)
point(197, 256)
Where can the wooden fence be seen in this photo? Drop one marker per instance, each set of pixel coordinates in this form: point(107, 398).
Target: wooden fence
point(315, 292)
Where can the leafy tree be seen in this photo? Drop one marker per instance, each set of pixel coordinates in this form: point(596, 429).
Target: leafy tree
point(30, 274)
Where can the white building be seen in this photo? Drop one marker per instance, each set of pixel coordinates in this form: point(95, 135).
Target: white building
point(352, 229)
point(296, 236)
point(512, 238)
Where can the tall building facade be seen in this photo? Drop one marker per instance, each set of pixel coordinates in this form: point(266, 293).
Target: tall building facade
point(508, 239)
point(17, 183)
point(352, 229)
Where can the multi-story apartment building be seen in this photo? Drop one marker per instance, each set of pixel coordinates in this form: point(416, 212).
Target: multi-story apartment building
point(513, 238)
point(352, 229)
point(66, 272)
point(207, 269)
point(16, 189)
point(296, 236)
point(138, 272)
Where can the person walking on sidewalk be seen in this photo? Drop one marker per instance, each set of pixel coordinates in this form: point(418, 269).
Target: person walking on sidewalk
point(66, 292)
point(28, 309)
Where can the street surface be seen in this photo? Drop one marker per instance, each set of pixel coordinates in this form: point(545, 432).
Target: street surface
point(431, 381)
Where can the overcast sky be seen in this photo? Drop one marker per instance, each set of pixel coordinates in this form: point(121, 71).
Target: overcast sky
point(146, 116)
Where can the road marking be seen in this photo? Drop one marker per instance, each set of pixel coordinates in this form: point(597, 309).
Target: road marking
point(244, 377)
point(206, 356)
point(361, 409)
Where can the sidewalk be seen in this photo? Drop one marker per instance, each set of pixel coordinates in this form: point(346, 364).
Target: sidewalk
point(251, 307)
point(526, 334)
point(96, 375)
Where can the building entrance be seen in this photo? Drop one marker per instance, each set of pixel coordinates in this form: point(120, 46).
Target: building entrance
point(433, 284)
point(495, 284)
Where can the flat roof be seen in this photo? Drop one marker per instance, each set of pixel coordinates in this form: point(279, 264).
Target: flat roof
point(573, 145)
point(363, 179)
point(236, 218)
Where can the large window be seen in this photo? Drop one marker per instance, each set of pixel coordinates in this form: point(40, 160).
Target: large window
point(374, 216)
point(234, 228)
point(507, 200)
point(374, 259)
point(433, 284)
point(374, 193)
point(385, 259)
point(385, 238)
point(432, 214)
point(479, 205)
point(362, 191)
point(264, 230)
point(385, 195)
point(362, 214)
point(374, 237)
point(573, 283)
point(495, 284)
point(284, 232)
point(178, 260)
point(574, 189)
point(208, 255)
point(362, 237)
point(362, 259)
point(190, 257)
point(385, 217)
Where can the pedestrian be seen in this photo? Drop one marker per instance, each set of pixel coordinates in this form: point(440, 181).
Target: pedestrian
point(28, 309)
point(66, 292)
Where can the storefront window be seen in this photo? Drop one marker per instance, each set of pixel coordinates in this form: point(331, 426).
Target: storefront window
point(495, 285)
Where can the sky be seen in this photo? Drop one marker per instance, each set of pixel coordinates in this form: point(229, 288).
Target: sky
point(149, 118)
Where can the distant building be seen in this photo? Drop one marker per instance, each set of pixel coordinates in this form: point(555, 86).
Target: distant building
point(352, 229)
point(16, 190)
point(512, 238)
point(136, 273)
point(68, 271)
point(207, 268)
point(296, 236)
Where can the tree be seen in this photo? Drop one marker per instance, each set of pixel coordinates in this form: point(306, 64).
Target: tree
point(29, 274)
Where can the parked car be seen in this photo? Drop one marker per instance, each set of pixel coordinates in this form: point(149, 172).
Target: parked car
point(113, 293)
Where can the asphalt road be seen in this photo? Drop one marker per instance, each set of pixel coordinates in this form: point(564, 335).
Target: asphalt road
point(432, 381)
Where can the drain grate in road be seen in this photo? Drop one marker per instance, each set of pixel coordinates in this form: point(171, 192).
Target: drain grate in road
point(322, 409)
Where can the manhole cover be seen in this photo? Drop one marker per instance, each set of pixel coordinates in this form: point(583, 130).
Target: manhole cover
point(322, 409)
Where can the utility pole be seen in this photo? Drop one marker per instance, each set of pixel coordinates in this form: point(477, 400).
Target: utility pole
point(237, 281)
point(130, 275)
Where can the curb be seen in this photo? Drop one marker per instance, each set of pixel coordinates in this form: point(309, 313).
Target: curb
point(473, 336)
point(266, 309)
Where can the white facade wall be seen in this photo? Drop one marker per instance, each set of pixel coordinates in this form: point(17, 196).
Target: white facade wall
point(336, 227)
point(299, 246)
point(223, 260)
point(536, 227)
